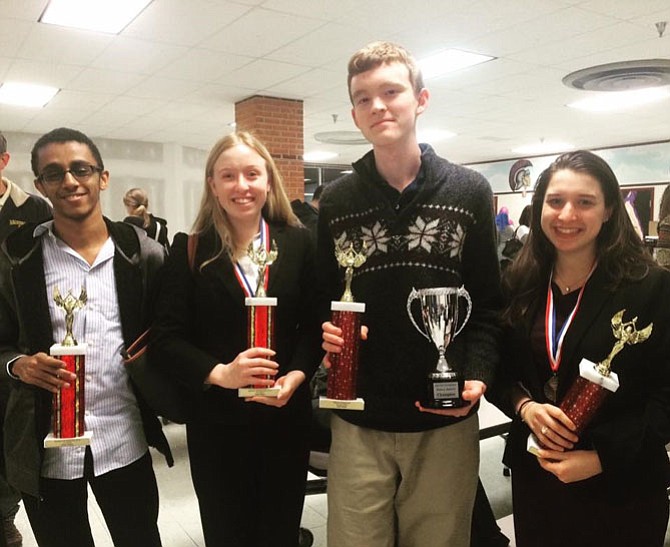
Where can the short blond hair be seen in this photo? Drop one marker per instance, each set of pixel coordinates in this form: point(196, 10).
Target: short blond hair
point(378, 53)
point(277, 207)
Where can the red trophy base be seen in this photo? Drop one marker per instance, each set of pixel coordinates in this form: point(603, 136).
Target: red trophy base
point(584, 398)
point(67, 418)
point(260, 334)
point(343, 373)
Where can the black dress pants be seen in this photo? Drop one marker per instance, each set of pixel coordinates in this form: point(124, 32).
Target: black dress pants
point(250, 482)
point(128, 499)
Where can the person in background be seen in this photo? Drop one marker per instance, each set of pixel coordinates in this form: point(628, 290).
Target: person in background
point(308, 213)
point(582, 265)
point(248, 457)
point(662, 251)
point(136, 201)
point(115, 263)
point(522, 230)
point(399, 473)
point(16, 208)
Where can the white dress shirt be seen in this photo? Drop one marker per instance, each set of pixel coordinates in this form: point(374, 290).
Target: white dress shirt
point(112, 413)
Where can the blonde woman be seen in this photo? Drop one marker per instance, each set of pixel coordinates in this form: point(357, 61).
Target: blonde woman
point(136, 201)
point(248, 457)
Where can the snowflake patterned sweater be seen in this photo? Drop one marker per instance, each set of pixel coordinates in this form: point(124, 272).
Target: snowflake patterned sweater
point(444, 236)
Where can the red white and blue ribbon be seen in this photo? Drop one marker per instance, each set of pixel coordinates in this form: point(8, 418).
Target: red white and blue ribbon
point(248, 289)
point(554, 340)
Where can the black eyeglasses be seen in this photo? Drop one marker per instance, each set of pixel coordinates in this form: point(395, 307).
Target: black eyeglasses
point(80, 171)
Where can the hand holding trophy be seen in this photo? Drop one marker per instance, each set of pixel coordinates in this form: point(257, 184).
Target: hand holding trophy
point(439, 313)
point(596, 381)
point(261, 314)
point(67, 417)
point(342, 376)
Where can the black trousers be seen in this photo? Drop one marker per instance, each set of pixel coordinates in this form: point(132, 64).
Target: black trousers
point(250, 482)
point(128, 498)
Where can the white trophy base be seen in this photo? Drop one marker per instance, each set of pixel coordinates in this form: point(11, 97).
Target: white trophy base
point(58, 442)
point(587, 370)
point(356, 307)
point(260, 301)
point(258, 392)
point(533, 445)
point(342, 404)
point(60, 349)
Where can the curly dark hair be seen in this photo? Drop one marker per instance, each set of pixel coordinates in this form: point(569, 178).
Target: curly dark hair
point(63, 134)
point(620, 252)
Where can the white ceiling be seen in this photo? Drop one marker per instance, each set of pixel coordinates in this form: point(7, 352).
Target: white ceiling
point(174, 74)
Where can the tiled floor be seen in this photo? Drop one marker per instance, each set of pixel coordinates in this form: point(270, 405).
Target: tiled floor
point(180, 524)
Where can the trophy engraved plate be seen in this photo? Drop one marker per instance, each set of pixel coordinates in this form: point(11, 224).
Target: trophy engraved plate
point(346, 314)
point(67, 417)
point(439, 315)
point(260, 316)
point(596, 381)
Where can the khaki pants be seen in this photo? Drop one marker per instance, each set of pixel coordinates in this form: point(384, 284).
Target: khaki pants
point(402, 489)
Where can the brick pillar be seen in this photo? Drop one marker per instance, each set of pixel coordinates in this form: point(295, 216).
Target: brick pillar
point(278, 123)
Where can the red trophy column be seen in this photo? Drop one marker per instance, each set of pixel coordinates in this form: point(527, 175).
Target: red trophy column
point(343, 373)
point(69, 404)
point(596, 381)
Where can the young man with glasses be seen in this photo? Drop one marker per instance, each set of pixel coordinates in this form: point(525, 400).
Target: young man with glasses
point(116, 264)
point(16, 208)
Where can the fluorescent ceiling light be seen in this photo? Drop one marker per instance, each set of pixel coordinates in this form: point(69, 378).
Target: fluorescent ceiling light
point(542, 147)
point(450, 60)
point(609, 101)
point(32, 95)
point(319, 156)
point(110, 16)
point(433, 135)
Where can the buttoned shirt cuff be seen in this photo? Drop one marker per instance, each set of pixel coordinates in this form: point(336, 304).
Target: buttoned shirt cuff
point(9, 367)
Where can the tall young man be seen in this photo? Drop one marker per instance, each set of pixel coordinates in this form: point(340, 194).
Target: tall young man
point(115, 263)
point(400, 474)
point(16, 208)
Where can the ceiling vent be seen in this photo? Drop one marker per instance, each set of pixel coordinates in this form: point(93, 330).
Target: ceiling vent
point(621, 76)
point(341, 137)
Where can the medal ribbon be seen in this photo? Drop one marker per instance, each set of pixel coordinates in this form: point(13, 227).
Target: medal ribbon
point(554, 340)
point(239, 272)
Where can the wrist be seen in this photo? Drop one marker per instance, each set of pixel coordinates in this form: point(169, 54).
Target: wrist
point(525, 404)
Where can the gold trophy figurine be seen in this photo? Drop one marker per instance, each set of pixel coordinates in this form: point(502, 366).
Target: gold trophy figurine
point(262, 259)
point(70, 304)
point(625, 333)
point(349, 259)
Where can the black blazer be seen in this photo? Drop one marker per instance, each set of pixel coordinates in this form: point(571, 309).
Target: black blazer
point(633, 425)
point(201, 321)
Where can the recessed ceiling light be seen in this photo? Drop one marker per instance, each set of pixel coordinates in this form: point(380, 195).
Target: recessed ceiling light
point(543, 147)
point(319, 156)
point(450, 60)
point(621, 100)
point(32, 95)
point(110, 16)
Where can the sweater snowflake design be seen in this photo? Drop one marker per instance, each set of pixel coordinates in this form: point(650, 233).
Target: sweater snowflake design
point(444, 237)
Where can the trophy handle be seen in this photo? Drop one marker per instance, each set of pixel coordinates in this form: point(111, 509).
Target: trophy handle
point(412, 297)
point(462, 293)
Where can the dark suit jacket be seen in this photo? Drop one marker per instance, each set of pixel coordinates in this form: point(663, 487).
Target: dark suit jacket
point(25, 328)
point(633, 425)
point(20, 208)
point(202, 321)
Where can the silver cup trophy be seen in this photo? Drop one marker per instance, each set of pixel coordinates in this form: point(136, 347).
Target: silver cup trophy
point(439, 313)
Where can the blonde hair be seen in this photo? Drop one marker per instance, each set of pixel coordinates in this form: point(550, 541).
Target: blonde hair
point(277, 207)
point(137, 202)
point(378, 53)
